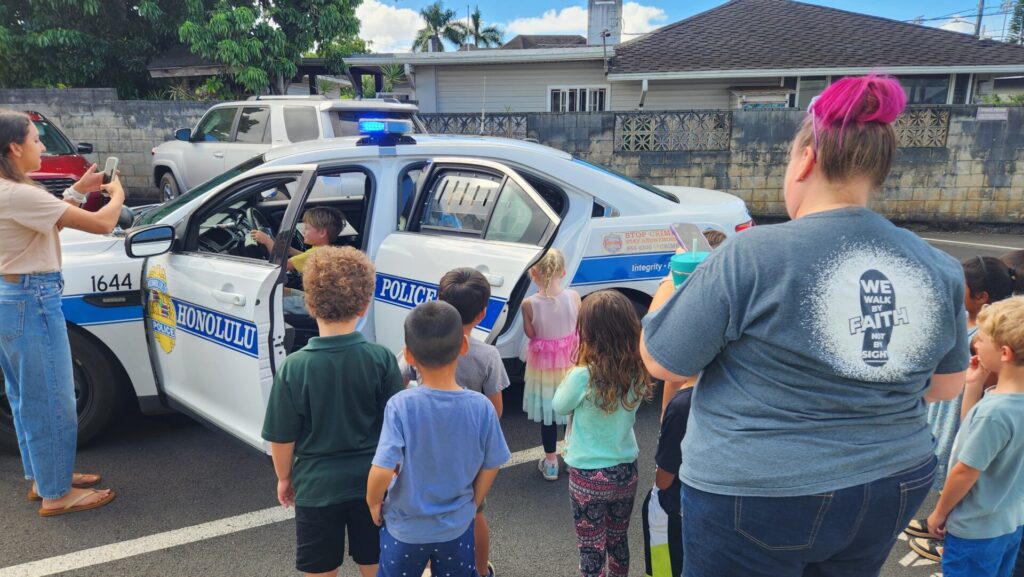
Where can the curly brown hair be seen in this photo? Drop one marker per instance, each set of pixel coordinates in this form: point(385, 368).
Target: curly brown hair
point(610, 349)
point(339, 283)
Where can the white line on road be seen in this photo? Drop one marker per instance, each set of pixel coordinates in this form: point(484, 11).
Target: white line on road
point(166, 540)
point(958, 242)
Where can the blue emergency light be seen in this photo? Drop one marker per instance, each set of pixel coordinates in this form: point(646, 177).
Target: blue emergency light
point(384, 132)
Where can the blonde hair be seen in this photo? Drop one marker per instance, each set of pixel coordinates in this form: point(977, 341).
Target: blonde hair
point(338, 282)
point(549, 266)
point(1004, 323)
point(327, 219)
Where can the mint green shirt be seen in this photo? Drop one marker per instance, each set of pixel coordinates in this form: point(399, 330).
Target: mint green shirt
point(597, 440)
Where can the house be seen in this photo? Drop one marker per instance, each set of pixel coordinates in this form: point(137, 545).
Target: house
point(741, 54)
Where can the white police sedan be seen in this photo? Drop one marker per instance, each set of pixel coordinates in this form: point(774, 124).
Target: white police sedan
point(185, 311)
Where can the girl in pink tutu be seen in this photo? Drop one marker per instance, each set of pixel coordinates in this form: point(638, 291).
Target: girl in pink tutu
point(549, 318)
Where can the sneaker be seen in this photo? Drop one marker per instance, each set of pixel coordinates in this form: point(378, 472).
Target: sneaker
point(918, 528)
point(927, 548)
point(548, 470)
point(490, 570)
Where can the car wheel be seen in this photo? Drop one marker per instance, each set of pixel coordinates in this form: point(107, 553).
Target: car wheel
point(168, 187)
point(98, 394)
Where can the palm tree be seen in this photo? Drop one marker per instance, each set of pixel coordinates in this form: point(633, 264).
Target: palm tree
point(441, 25)
point(476, 32)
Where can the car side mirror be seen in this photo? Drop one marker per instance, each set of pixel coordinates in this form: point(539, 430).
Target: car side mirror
point(84, 148)
point(149, 241)
point(183, 134)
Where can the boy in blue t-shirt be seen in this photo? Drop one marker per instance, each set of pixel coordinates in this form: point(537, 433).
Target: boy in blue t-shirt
point(446, 444)
point(981, 510)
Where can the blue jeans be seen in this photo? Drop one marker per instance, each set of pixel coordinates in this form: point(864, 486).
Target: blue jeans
point(455, 558)
point(843, 533)
point(35, 356)
point(980, 557)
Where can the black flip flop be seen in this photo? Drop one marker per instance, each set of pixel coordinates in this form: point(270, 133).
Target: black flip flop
point(927, 548)
point(918, 528)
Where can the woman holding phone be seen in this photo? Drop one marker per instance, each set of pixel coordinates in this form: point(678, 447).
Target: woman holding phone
point(34, 350)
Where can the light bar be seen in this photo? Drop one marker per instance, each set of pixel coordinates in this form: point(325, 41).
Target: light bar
point(382, 126)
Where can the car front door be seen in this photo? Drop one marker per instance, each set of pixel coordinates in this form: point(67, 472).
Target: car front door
point(214, 307)
point(467, 213)
point(209, 144)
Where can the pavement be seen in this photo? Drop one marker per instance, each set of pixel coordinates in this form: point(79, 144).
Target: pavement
point(193, 501)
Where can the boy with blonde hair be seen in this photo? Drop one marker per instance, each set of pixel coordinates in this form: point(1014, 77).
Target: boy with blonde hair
point(320, 226)
point(981, 510)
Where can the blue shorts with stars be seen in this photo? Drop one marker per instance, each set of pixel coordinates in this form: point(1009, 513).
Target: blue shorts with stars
point(455, 558)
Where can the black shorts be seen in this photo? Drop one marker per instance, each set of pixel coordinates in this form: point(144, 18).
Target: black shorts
point(320, 536)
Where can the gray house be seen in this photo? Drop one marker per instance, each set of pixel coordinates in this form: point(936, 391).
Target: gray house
point(741, 54)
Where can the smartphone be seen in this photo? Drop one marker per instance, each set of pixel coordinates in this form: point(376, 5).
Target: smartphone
point(690, 237)
point(110, 169)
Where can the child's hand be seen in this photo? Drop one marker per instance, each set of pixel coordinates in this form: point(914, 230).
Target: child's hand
point(261, 237)
point(285, 493)
point(375, 513)
point(976, 374)
point(937, 525)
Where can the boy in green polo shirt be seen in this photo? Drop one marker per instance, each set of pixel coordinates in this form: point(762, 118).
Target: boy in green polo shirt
point(325, 415)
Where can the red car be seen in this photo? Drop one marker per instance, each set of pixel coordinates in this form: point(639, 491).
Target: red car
point(63, 163)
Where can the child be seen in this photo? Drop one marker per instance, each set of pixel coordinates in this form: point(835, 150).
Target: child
point(981, 510)
point(603, 393)
point(325, 414)
point(661, 513)
point(1015, 260)
point(480, 369)
point(549, 319)
point(321, 225)
point(448, 444)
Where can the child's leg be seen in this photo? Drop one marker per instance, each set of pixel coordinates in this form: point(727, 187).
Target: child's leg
point(454, 558)
point(482, 538)
point(549, 438)
point(587, 495)
point(623, 480)
point(319, 540)
point(979, 557)
point(363, 538)
point(398, 559)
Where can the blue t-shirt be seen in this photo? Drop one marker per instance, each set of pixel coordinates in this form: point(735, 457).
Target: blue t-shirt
point(442, 439)
point(817, 338)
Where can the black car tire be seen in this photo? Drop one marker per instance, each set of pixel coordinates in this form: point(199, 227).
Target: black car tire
point(98, 392)
point(168, 187)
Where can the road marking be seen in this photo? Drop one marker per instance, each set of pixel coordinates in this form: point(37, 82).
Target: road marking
point(961, 243)
point(159, 541)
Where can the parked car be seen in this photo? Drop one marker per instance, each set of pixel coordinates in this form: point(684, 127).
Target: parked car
point(233, 132)
point(184, 312)
point(63, 163)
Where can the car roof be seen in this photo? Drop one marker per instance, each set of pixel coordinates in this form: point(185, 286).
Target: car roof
point(432, 144)
point(326, 105)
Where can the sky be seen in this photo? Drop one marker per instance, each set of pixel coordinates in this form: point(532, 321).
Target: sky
point(390, 25)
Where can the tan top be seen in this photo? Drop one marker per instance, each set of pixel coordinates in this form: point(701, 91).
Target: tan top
point(29, 239)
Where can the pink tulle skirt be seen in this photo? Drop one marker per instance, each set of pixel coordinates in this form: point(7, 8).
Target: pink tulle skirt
point(547, 363)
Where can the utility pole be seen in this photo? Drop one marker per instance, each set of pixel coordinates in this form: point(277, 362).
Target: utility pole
point(977, 23)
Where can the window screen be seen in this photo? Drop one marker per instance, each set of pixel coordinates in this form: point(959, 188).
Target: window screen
point(461, 201)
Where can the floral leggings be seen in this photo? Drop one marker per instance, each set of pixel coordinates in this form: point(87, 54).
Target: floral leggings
point(602, 501)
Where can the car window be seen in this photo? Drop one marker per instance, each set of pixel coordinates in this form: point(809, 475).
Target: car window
point(300, 123)
point(346, 122)
point(216, 125)
point(460, 201)
point(157, 214)
point(253, 125)
point(517, 218)
point(51, 139)
point(349, 185)
point(407, 192)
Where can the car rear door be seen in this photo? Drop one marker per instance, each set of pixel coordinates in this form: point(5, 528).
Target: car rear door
point(252, 135)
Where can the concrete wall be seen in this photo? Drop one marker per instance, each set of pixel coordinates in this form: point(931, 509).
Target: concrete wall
point(127, 129)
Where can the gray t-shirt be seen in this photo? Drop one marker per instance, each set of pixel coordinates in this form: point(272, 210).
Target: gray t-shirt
point(991, 440)
point(817, 338)
point(480, 369)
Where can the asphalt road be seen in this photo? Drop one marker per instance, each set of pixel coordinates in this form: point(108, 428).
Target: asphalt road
point(192, 501)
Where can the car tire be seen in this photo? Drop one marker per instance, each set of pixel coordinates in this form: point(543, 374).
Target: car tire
point(98, 392)
point(168, 187)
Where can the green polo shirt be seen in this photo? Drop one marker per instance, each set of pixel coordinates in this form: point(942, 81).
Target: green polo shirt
point(328, 398)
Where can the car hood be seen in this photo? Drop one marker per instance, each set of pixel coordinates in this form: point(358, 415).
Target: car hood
point(76, 242)
point(704, 199)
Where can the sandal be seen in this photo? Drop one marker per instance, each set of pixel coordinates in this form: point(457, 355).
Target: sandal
point(927, 548)
point(76, 482)
point(74, 506)
point(918, 528)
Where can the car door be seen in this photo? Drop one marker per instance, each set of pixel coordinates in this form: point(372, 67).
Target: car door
point(209, 141)
point(252, 135)
point(214, 311)
point(467, 213)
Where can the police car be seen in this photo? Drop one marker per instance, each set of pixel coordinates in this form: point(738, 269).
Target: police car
point(185, 312)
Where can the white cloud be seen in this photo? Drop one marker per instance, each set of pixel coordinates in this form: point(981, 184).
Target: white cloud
point(387, 28)
point(636, 17)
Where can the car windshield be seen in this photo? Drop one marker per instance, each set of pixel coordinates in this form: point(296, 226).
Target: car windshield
point(172, 205)
point(620, 176)
point(52, 139)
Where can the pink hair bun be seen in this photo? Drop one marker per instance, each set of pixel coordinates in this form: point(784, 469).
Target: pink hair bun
point(860, 99)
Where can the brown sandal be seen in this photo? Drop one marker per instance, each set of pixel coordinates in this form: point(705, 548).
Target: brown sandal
point(34, 496)
point(74, 506)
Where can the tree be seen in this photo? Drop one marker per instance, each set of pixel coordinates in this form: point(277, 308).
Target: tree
point(441, 25)
point(1017, 24)
point(261, 41)
point(479, 35)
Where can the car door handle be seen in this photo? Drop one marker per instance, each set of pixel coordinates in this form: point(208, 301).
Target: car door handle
point(229, 298)
point(494, 279)
point(218, 155)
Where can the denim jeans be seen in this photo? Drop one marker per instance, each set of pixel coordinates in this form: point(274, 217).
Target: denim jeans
point(843, 533)
point(35, 356)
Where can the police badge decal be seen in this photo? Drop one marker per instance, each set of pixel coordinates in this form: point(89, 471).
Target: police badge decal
point(160, 309)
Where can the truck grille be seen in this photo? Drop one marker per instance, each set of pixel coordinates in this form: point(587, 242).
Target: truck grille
point(56, 186)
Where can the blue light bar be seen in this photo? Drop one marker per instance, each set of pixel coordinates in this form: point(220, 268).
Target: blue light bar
point(379, 126)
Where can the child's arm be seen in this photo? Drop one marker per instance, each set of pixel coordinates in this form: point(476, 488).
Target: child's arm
point(663, 479)
point(496, 400)
point(974, 388)
point(959, 482)
point(570, 392)
point(528, 320)
point(482, 484)
point(283, 454)
point(376, 486)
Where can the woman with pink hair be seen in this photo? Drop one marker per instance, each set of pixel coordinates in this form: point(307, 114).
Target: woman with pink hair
point(820, 341)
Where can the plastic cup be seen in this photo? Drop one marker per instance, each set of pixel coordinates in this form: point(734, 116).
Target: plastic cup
point(683, 265)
